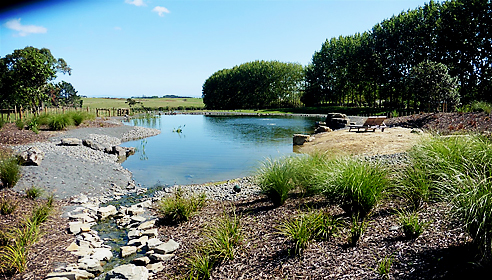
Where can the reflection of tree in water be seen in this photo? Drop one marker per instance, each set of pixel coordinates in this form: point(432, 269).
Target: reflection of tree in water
point(262, 129)
point(147, 120)
point(141, 150)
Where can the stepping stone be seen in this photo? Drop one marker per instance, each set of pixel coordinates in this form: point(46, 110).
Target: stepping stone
point(147, 225)
point(155, 267)
point(128, 271)
point(127, 251)
point(143, 261)
point(166, 248)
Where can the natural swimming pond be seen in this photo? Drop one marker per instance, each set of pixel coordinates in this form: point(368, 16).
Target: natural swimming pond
point(194, 149)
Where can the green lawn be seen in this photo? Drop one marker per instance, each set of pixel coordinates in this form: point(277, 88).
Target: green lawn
point(146, 102)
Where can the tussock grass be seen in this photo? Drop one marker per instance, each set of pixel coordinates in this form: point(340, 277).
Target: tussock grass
point(276, 178)
point(7, 206)
point(411, 224)
point(180, 206)
point(9, 172)
point(384, 266)
point(221, 239)
point(356, 231)
point(357, 185)
point(34, 192)
point(306, 227)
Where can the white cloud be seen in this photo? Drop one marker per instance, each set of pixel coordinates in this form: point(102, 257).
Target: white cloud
point(160, 10)
point(24, 30)
point(117, 28)
point(137, 3)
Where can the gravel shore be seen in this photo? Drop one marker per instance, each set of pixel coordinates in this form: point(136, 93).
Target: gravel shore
point(67, 171)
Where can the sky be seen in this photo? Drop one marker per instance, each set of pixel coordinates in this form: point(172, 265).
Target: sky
point(130, 48)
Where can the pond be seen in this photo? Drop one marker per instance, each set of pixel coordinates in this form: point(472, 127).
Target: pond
point(195, 149)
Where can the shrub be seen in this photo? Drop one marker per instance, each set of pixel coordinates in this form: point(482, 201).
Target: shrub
point(275, 178)
point(411, 224)
point(7, 207)
point(59, 121)
point(9, 172)
point(180, 206)
point(33, 125)
point(357, 185)
point(34, 192)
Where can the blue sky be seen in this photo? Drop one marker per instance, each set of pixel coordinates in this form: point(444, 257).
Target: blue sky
point(123, 48)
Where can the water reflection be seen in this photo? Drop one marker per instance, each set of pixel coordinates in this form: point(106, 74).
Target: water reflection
point(210, 148)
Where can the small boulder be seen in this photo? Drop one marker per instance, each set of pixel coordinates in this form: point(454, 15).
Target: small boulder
point(32, 156)
point(155, 267)
point(143, 261)
point(70, 142)
point(127, 251)
point(322, 128)
point(104, 212)
point(300, 139)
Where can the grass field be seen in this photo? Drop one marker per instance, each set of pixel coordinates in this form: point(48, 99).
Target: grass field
point(146, 102)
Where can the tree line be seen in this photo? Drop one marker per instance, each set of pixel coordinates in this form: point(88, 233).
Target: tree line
point(26, 80)
point(422, 59)
point(257, 84)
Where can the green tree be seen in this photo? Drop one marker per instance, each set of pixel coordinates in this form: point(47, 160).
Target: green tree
point(25, 76)
point(67, 95)
point(432, 86)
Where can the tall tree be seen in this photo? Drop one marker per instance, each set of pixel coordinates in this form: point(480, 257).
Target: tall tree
point(25, 76)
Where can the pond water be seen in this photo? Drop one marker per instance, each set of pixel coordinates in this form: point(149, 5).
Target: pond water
point(195, 149)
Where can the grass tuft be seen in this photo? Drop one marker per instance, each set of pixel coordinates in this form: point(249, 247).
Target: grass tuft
point(9, 172)
point(384, 267)
point(34, 192)
point(411, 225)
point(275, 178)
point(7, 207)
point(180, 206)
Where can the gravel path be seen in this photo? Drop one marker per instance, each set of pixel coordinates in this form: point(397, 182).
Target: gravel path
point(67, 171)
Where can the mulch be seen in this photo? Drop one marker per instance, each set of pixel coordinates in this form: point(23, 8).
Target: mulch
point(443, 251)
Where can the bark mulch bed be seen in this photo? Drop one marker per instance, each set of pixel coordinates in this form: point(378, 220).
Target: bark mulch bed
point(441, 252)
point(446, 123)
point(49, 251)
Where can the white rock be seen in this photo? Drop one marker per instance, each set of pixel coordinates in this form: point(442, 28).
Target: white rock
point(150, 232)
point(138, 242)
point(127, 251)
point(153, 242)
point(155, 267)
point(128, 272)
point(104, 212)
point(102, 254)
point(168, 247)
point(147, 225)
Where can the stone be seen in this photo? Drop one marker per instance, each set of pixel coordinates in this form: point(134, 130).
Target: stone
point(91, 265)
point(417, 131)
point(322, 128)
point(150, 232)
point(96, 146)
point(147, 225)
point(128, 272)
point(102, 254)
point(75, 227)
point(153, 242)
point(166, 248)
point(337, 120)
point(138, 242)
point(134, 233)
point(32, 156)
point(127, 251)
point(138, 219)
point(83, 251)
point(72, 247)
point(155, 267)
point(105, 212)
point(135, 211)
point(70, 142)
point(143, 261)
point(300, 139)
point(130, 151)
point(71, 275)
point(160, 257)
point(119, 151)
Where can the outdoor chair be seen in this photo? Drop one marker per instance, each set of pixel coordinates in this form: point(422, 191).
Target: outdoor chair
point(371, 123)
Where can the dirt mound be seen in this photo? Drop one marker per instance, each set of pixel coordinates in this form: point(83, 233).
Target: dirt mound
point(446, 123)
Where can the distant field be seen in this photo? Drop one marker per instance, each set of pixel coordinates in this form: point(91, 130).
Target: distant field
point(147, 102)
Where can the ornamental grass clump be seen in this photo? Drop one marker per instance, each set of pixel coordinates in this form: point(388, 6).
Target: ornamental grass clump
point(357, 185)
point(309, 173)
point(276, 179)
point(34, 192)
point(356, 231)
point(384, 266)
point(221, 239)
point(79, 117)
point(411, 224)
point(7, 206)
point(180, 206)
point(59, 121)
point(303, 229)
point(9, 172)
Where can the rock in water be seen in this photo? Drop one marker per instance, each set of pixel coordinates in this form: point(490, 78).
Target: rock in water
point(71, 142)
